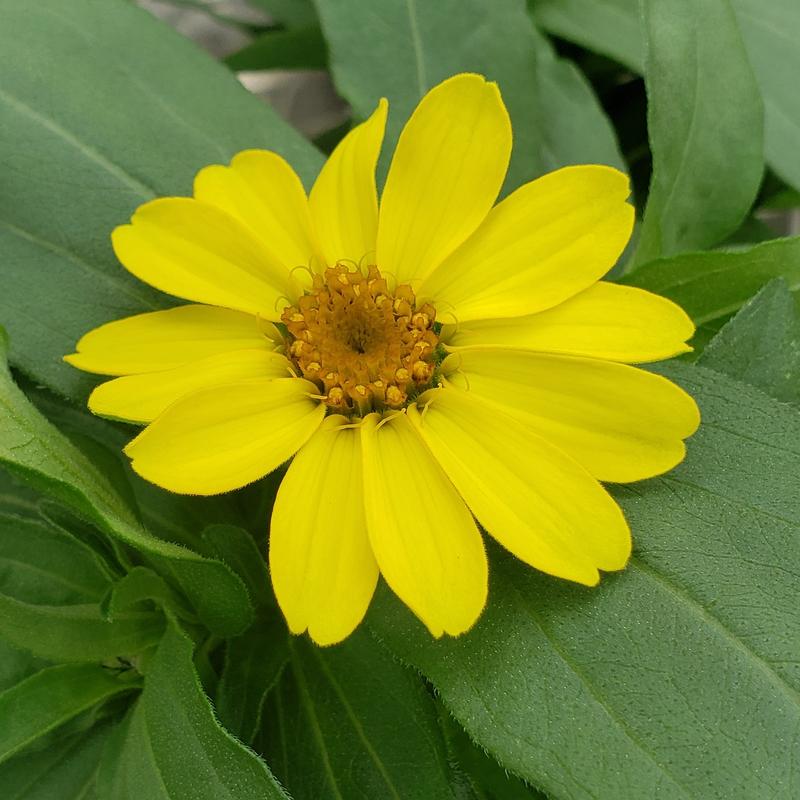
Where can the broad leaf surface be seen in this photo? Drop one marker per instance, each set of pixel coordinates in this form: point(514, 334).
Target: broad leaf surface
point(424, 43)
point(46, 700)
point(103, 108)
point(171, 747)
point(761, 344)
point(704, 114)
point(350, 721)
point(625, 690)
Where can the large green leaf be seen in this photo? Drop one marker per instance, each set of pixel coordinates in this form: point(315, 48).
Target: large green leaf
point(33, 449)
point(612, 27)
point(704, 115)
point(626, 690)
point(103, 108)
point(712, 286)
point(170, 746)
point(349, 721)
point(64, 770)
point(761, 344)
point(424, 43)
point(48, 699)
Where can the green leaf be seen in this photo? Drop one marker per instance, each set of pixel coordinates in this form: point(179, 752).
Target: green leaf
point(90, 141)
point(712, 286)
point(235, 547)
point(40, 563)
point(15, 665)
point(761, 344)
point(253, 664)
point(704, 115)
point(574, 127)
point(76, 632)
point(140, 585)
point(46, 700)
point(770, 35)
point(624, 690)
point(349, 721)
point(64, 770)
point(610, 27)
point(487, 778)
point(170, 746)
point(557, 119)
point(33, 449)
point(299, 48)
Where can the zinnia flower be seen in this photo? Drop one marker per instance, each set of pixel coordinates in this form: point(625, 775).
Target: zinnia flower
point(429, 365)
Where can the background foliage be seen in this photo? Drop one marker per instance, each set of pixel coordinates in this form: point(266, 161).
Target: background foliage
point(141, 652)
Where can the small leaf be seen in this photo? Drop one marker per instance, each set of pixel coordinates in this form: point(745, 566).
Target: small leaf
point(139, 585)
point(704, 115)
point(46, 700)
point(170, 746)
point(349, 721)
point(235, 547)
point(761, 344)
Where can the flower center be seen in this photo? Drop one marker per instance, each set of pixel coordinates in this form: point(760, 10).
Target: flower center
point(366, 347)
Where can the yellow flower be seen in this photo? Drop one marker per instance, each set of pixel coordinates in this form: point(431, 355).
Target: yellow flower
point(426, 365)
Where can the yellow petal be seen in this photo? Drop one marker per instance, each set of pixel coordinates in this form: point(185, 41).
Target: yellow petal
point(450, 162)
point(224, 437)
point(546, 242)
point(198, 252)
point(320, 559)
point(163, 339)
point(621, 423)
point(425, 541)
point(618, 323)
point(141, 398)
point(344, 200)
point(263, 192)
point(533, 498)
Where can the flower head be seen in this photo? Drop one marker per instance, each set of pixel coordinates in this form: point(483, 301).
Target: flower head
point(428, 365)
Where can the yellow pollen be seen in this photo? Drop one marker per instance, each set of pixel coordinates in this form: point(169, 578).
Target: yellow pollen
point(368, 348)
